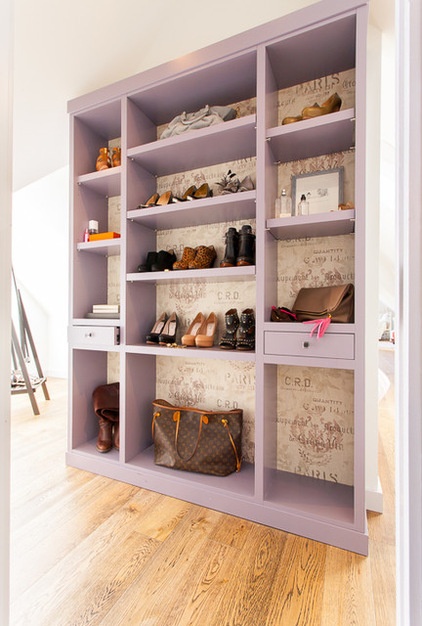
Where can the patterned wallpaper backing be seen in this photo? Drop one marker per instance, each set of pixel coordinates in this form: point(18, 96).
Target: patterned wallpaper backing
point(314, 406)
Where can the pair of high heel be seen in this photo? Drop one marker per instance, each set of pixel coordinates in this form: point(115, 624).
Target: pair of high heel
point(201, 331)
point(191, 193)
point(194, 193)
point(332, 105)
point(240, 332)
point(157, 200)
point(164, 330)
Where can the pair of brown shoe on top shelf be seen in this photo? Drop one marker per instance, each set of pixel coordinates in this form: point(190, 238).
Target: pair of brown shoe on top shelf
point(240, 247)
point(104, 160)
point(191, 193)
point(164, 330)
point(240, 332)
point(332, 105)
point(230, 183)
point(201, 331)
point(197, 258)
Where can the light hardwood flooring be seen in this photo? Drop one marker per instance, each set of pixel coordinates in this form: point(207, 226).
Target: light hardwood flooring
point(89, 550)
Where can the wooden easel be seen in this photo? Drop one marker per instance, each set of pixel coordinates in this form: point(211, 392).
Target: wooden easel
point(21, 381)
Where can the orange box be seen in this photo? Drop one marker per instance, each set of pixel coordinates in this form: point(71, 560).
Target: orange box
point(99, 236)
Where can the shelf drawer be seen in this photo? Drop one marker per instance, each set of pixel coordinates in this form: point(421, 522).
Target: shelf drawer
point(330, 346)
point(94, 335)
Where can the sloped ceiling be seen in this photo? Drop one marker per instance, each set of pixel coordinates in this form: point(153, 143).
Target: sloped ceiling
point(65, 49)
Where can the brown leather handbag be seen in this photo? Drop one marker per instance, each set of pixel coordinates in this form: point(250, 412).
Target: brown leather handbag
point(335, 302)
point(186, 438)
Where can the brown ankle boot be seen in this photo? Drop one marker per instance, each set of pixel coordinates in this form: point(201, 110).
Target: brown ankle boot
point(104, 441)
point(204, 257)
point(187, 258)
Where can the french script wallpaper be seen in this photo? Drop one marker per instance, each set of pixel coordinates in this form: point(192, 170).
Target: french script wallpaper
point(211, 384)
point(315, 435)
point(314, 406)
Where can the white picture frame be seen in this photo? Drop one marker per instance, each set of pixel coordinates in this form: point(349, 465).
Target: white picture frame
point(323, 190)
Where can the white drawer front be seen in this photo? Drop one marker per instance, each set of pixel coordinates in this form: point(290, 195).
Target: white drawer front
point(94, 335)
point(330, 346)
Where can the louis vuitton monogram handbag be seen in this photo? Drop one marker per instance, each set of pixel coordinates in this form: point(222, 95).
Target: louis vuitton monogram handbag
point(186, 438)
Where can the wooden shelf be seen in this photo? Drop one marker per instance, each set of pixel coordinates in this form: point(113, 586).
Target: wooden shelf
point(194, 353)
point(212, 274)
point(221, 143)
point(228, 208)
point(317, 225)
point(105, 182)
point(104, 247)
point(334, 132)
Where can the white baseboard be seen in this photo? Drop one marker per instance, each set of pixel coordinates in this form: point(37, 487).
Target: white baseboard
point(374, 500)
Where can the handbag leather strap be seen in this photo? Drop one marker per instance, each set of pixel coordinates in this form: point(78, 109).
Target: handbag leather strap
point(238, 461)
point(176, 418)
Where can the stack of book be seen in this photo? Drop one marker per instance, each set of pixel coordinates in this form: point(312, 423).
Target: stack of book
point(105, 311)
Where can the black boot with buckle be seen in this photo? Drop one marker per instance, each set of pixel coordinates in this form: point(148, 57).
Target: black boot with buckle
point(246, 333)
point(228, 340)
point(232, 246)
point(246, 255)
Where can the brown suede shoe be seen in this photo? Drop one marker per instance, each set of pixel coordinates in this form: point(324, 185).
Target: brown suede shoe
point(204, 257)
point(188, 257)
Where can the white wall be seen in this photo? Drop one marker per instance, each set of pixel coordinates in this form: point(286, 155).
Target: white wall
point(40, 256)
point(6, 17)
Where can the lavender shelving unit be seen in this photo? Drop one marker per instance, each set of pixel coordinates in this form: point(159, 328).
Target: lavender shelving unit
point(325, 38)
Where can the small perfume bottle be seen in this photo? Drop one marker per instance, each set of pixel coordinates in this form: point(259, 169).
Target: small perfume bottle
point(285, 204)
point(303, 206)
point(92, 227)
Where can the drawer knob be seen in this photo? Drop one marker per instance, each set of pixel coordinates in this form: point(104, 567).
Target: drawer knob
point(306, 344)
point(89, 334)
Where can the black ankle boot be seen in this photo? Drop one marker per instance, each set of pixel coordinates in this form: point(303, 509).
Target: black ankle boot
point(246, 255)
point(164, 261)
point(228, 340)
point(232, 246)
point(246, 333)
point(150, 260)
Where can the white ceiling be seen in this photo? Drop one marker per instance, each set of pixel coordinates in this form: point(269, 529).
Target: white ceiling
point(64, 49)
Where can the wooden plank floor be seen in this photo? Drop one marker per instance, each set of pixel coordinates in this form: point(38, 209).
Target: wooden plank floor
point(89, 550)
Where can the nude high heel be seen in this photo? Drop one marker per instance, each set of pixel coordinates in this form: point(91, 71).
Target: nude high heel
point(205, 336)
point(189, 338)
